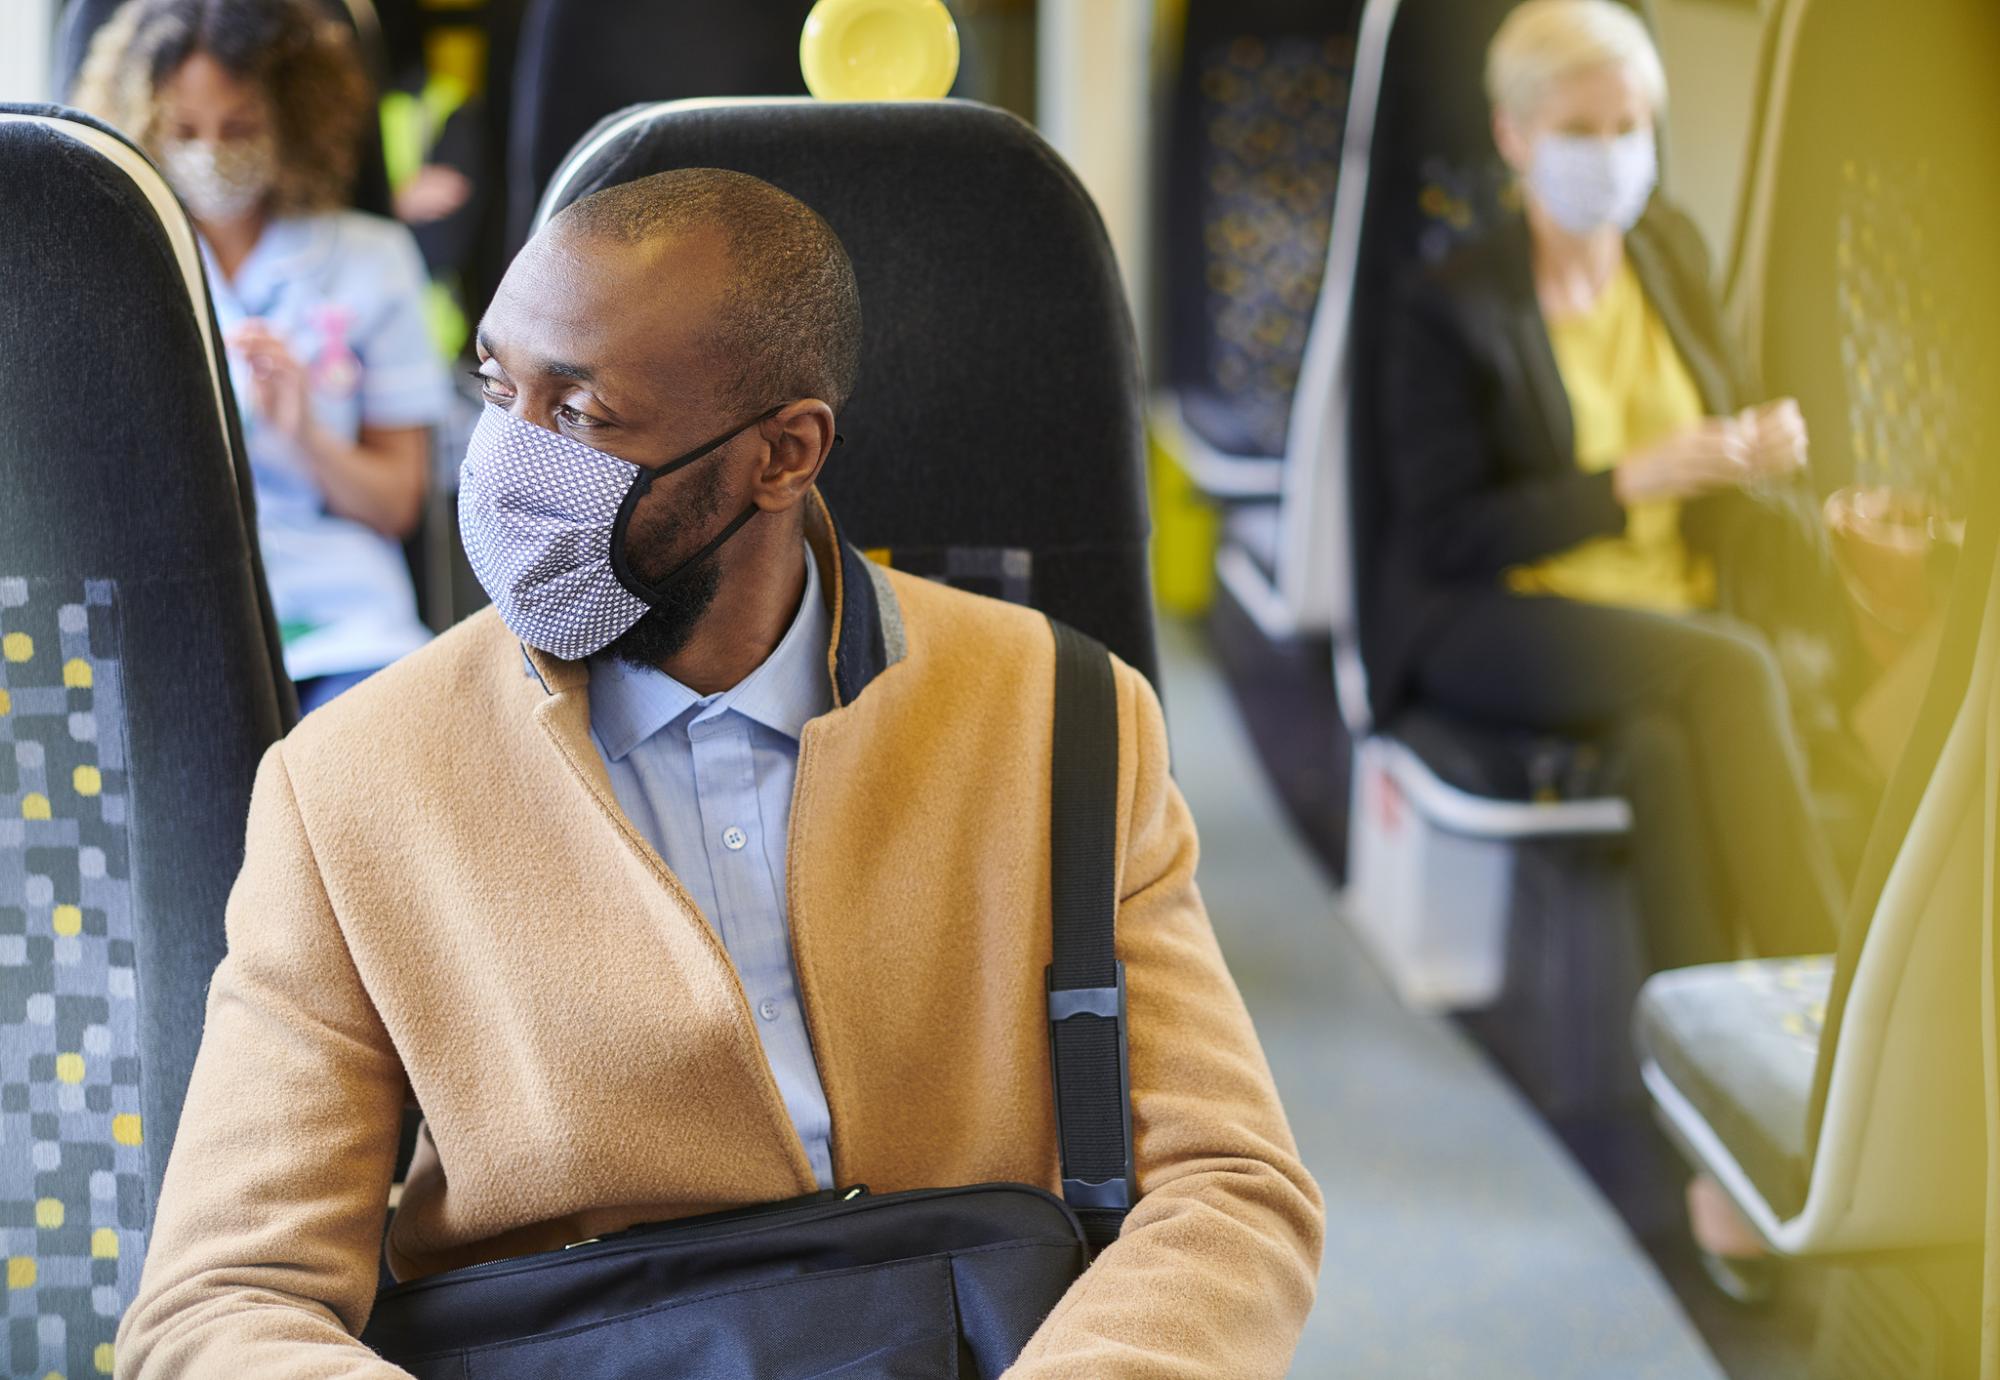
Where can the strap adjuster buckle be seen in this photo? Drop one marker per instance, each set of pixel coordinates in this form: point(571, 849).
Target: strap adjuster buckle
point(1118, 1190)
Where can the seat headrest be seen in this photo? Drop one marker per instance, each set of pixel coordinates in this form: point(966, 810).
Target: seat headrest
point(997, 424)
point(111, 308)
point(568, 78)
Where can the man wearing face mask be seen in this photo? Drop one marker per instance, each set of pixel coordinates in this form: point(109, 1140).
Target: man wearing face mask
point(253, 108)
point(708, 868)
point(1596, 519)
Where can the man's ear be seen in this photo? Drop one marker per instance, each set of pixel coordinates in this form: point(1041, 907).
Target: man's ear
point(800, 438)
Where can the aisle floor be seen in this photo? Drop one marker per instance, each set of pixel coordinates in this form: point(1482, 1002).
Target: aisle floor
point(1461, 1239)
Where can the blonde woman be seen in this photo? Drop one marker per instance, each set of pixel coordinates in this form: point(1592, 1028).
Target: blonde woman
point(1588, 491)
point(251, 108)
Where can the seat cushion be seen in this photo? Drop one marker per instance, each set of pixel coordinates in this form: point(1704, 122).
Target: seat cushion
point(1739, 1040)
point(1502, 764)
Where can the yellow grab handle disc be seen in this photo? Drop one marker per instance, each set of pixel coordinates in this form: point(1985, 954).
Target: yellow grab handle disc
point(879, 50)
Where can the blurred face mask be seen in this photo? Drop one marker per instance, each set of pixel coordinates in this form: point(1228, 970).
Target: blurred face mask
point(545, 522)
point(220, 180)
point(1586, 184)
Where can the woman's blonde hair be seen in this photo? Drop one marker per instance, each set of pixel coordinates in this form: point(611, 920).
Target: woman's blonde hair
point(303, 61)
point(1544, 41)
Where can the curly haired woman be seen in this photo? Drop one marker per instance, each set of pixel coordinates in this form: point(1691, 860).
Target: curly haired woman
point(252, 109)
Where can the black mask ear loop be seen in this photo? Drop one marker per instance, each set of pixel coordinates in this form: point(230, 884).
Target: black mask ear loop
point(642, 484)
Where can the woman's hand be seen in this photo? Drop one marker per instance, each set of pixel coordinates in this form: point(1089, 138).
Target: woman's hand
point(1713, 453)
point(1778, 450)
point(278, 383)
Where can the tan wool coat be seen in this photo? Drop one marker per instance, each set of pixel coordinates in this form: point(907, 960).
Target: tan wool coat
point(442, 899)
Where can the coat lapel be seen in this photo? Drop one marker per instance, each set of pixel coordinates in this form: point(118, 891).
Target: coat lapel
point(563, 718)
point(1531, 338)
point(1656, 277)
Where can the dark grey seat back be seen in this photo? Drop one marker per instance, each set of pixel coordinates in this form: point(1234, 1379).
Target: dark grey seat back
point(139, 683)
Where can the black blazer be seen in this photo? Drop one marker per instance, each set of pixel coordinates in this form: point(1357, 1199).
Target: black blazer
point(1479, 447)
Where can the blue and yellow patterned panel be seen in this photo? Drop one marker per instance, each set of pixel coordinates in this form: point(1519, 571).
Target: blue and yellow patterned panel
point(72, 1173)
point(1459, 200)
point(1907, 341)
point(1272, 114)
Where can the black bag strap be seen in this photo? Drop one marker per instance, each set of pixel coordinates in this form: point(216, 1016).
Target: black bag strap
point(1087, 1048)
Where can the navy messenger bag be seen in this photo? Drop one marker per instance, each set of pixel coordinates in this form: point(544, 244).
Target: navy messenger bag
point(944, 1282)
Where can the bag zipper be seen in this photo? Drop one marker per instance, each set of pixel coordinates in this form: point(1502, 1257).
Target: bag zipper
point(821, 1198)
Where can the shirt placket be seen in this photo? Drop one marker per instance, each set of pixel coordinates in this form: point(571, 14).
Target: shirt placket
point(733, 840)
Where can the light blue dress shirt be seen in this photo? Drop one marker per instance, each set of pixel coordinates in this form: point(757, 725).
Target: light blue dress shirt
point(345, 292)
point(708, 781)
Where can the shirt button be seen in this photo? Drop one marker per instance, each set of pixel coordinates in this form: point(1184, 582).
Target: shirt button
point(733, 839)
point(768, 1009)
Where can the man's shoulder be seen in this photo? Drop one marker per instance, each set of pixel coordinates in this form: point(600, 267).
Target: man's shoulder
point(435, 694)
point(939, 616)
point(988, 647)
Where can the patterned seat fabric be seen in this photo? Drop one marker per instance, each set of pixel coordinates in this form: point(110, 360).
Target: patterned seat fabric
point(1739, 1041)
point(1259, 110)
point(73, 1173)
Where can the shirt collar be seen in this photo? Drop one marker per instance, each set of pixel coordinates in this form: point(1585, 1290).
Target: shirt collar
point(629, 704)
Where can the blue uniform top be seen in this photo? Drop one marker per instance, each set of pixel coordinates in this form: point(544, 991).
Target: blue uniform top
point(708, 781)
point(344, 291)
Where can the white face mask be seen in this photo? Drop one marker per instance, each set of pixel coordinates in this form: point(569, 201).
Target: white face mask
point(1585, 184)
point(221, 180)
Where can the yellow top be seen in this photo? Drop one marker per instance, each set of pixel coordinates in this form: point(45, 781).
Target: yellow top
point(1628, 387)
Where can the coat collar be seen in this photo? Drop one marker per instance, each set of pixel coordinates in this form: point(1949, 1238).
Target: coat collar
point(866, 622)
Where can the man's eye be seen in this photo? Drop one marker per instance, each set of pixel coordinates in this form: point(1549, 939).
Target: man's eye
point(490, 388)
point(569, 416)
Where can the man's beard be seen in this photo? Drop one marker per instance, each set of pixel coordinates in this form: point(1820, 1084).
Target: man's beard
point(669, 625)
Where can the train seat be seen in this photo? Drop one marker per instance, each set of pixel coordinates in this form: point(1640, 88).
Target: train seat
point(1892, 1158)
point(1872, 1133)
point(1420, 175)
point(1252, 156)
point(581, 60)
point(996, 440)
point(140, 681)
point(1738, 1042)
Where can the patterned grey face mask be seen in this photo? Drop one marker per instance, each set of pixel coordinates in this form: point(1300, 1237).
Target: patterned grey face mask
point(544, 520)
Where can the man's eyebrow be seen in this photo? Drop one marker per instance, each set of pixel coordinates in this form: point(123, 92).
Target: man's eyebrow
point(562, 369)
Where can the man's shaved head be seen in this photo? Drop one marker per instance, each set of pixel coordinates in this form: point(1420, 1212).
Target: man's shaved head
point(789, 322)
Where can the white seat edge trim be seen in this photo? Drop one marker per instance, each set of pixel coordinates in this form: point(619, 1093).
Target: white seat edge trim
point(1700, 1141)
point(1217, 473)
point(1749, 260)
point(1240, 574)
point(180, 233)
point(1477, 816)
